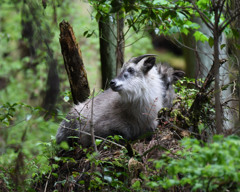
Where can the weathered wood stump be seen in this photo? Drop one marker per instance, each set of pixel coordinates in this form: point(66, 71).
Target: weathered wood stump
point(73, 62)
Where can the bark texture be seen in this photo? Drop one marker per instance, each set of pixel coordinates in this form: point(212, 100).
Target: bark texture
point(108, 43)
point(120, 41)
point(73, 62)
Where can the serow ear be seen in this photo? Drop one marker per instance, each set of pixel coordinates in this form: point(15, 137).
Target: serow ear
point(177, 74)
point(148, 64)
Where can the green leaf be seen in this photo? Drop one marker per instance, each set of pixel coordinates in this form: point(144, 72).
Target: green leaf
point(185, 31)
point(211, 42)
point(201, 127)
point(235, 33)
point(136, 185)
point(89, 35)
point(238, 46)
point(152, 184)
point(108, 178)
point(161, 2)
point(222, 46)
point(64, 145)
point(203, 4)
point(97, 17)
point(55, 166)
point(85, 33)
point(199, 36)
point(55, 175)
point(98, 141)
point(98, 180)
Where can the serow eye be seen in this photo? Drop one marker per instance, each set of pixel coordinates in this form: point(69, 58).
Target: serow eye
point(130, 70)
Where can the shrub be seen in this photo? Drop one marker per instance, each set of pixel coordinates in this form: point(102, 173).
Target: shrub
point(203, 166)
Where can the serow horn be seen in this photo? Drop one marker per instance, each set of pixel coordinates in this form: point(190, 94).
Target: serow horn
point(137, 59)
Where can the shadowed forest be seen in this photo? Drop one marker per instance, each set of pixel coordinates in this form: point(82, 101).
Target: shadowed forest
point(55, 54)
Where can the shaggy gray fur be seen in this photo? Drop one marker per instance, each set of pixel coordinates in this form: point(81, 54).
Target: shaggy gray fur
point(129, 108)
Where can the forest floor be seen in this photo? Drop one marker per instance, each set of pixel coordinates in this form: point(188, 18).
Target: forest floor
point(79, 167)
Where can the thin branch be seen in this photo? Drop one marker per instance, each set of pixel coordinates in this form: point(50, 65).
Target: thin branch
point(140, 30)
point(221, 7)
point(104, 139)
point(204, 18)
point(224, 24)
point(181, 129)
point(199, 51)
point(134, 41)
point(45, 188)
point(230, 100)
point(91, 124)
point(132, 24)
point(158, 147)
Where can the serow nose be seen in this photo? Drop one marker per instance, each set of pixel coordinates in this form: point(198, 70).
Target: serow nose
point(112, 83)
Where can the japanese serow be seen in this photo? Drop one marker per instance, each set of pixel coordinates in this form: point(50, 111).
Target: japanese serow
point(129, 108)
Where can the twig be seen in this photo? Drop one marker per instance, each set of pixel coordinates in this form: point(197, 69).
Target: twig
point(204, 18)
point(104, 139)
point(225, 23)
point(190, 48)
point(134, 41)
point(45, 188)
point(230, 100)
point(133, 22)
point(91, 124)
point(158, 147)
point(221, 6)
point(176, 127)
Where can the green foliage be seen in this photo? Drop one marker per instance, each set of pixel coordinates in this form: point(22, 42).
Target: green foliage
point(199, 36)
point(164, 17)
point(212, 167)
point(187, 91)
point(113, 175)
point(195, 166)
point(27, 139)
point(20, 144)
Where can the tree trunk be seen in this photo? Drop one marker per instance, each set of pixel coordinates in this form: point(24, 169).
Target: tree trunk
point(108, 43)
point(120, 40)
point(52, 91)
point(189, 56)
point(73, 62)
point(217, 88)
point(30, 20)
point(28, 48)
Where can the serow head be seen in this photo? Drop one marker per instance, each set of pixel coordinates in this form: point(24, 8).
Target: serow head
point(133, 73)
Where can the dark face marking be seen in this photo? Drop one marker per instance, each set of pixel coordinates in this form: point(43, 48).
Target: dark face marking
point(126, 73)
point(130, 70)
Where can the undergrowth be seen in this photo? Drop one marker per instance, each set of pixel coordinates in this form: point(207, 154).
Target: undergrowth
point(173, 160)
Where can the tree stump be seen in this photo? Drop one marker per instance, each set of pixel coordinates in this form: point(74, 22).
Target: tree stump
point(73, 62)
